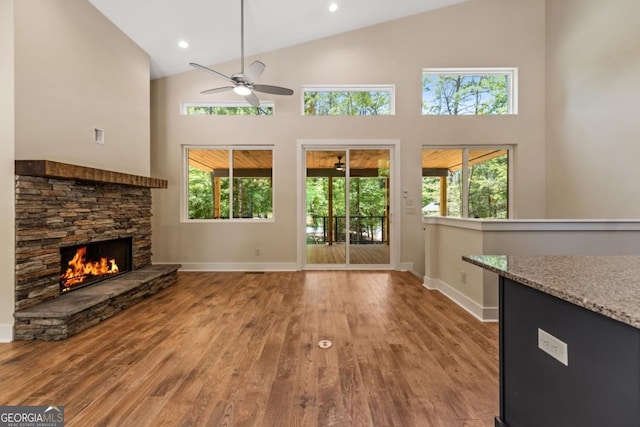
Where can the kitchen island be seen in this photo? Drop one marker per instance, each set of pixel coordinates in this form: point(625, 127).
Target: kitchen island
point(569, 339)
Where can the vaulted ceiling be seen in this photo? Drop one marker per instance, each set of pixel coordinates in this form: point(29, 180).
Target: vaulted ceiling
point(212, 27)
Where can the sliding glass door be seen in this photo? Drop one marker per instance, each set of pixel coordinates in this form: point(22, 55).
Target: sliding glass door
point(347, 207)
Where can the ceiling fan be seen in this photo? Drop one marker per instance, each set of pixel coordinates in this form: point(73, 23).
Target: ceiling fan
point(243, 82)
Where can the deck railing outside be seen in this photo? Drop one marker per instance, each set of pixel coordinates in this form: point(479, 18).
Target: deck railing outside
point(364, 229)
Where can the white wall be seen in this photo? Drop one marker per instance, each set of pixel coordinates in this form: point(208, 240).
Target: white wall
point(488, 33)
point(448, 239)
point(593, 133)
point(75, 70)
point(65, 70)
point(7, 215)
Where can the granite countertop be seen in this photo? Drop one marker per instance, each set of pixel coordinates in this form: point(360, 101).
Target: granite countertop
point(609, 285)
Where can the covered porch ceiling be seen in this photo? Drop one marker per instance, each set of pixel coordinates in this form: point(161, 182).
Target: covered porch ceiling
point(444, 159)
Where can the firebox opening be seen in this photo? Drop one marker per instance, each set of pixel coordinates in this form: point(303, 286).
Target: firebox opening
point(87, 264)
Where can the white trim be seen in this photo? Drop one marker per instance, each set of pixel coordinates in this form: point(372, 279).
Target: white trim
point(535, 224)
point(6, 333)
point(484, 314)
point(220, 266)
point(407, 266)
point(184, 184)
point(186, 104)
point(391, 88)
point(324, 267)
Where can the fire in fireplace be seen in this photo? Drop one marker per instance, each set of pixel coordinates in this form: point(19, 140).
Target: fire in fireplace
point(83, 265)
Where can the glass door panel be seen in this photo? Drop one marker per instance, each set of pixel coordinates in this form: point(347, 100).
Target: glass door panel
point(326, 223)
point(369, 206)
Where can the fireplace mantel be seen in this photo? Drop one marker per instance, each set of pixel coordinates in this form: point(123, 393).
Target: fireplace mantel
point(51, 169)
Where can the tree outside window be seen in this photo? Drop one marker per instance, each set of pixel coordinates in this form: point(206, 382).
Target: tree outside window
point(348, 101)
point(468, 92)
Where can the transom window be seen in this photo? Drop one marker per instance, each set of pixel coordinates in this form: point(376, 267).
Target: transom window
point(469, 182)
point(469, 91)
point(228, 108)
point(226, 183)
point(348, 100)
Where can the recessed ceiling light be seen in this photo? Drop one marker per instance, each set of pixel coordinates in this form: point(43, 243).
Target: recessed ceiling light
point(333, 7)
point(183, 44)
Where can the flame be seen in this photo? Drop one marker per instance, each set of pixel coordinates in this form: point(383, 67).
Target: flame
point(79, 268)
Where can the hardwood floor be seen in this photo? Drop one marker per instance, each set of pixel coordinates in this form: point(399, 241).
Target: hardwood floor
point(240, 349)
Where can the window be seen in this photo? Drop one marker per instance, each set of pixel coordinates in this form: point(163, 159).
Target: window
point(348, 100)
point(228, 108)
point(466, 182)
point(465, 91)
point(229, 183)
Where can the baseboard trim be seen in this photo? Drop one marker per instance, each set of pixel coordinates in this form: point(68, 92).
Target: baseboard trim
point(406, 266)
point(484, 314)
point(6, 333)
point(196, 266)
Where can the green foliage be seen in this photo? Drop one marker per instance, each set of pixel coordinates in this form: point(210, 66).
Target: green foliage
point(430, 192)
point(488, 190)
point(465, 94)
point(229, 111)
point(251, 196)
point(347, 103)
point(200, 194)
point(367, 198)
point(367, 204)
point(454, 193)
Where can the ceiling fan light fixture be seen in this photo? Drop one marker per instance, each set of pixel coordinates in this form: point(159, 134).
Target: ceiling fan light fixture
point(242, 90)
point(340, 166)
point(243, 82)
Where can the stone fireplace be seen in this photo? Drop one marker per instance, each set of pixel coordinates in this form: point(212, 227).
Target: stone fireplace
point(61, 209)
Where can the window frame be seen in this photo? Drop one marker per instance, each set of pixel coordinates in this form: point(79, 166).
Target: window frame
point(184, 198)
point(512, 84)
point(184, 106)
point(391, 88)
point(465, 174)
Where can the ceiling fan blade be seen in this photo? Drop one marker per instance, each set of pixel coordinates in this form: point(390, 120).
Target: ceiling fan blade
point(276, 90)
point(254, 71)
point(252, 99)
point(217, 90)
point(209, 70)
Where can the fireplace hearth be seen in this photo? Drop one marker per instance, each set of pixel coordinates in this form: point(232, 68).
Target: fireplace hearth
point(83, 265)
point(72, 207)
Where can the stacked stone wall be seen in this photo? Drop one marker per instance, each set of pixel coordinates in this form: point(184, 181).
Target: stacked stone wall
point(55, 213)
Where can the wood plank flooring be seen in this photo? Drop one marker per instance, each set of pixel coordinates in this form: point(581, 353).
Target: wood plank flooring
point(359, 254)
point(240, 349)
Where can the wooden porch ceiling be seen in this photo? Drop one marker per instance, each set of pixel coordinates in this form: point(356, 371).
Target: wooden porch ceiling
point(212, 159)
point(451, 159)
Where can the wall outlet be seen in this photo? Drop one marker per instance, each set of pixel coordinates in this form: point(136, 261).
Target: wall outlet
point(257, 252)
point(463, 276)
point(553, 347)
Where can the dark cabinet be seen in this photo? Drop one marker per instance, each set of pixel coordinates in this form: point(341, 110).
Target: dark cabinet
point(599, 386)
